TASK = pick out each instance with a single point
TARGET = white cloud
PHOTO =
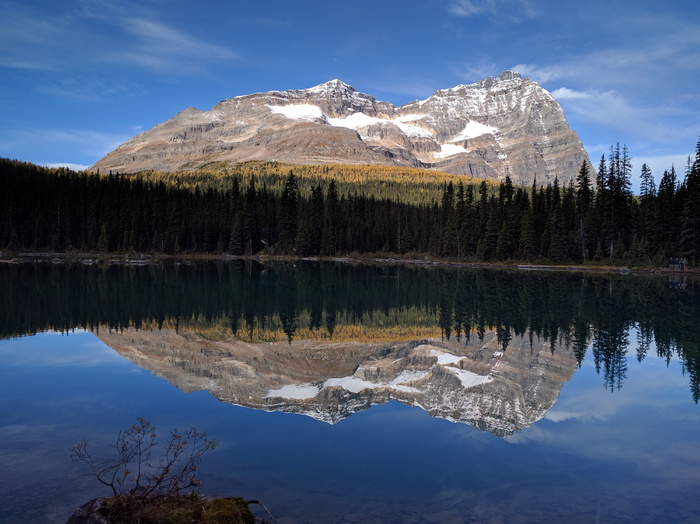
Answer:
(86, 89)
(160, 47)
(474, 73)
(81, 40)
(26, 38)
(84, 350)
(74, 167)
(564, 93)
(613, 111)
(542, 74)
(514, 11)
(87, 142)
(90, 142)
(470, 7)
(661, 163)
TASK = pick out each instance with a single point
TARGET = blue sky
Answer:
(78, 77)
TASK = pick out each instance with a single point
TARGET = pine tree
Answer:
(648, 231)
(557, 243)
(251, 233)
(236, 245)
(647, 187)
(331, 222)
(288, 214)
(528, 242)
(449, 229)
(488, 244)
(690, 231)
(667, 213)
(103, 240)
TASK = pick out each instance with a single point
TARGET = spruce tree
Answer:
(287, 221)
(690, 227)
(251, 234)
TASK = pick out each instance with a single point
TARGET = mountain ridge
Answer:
(496, 127)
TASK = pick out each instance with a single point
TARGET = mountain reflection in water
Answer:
(474, 382)
(386, 325)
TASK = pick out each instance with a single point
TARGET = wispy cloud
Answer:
(86, 39)
(25, 38)
(86, 89)
(614, 111)
(91, 143)
(471, 7)
(162, 48)
(474, 72)
(661, 163)
(542, 74)
(564, 93)
(641, 89)
(515, 11)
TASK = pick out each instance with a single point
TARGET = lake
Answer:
(345, 394)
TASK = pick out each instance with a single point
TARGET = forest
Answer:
(594, 219)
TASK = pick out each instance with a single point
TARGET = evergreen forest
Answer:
(593, 219)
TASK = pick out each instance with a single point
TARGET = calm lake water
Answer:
(343, 394)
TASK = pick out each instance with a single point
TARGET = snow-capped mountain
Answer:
(500, 126)
(476, 383)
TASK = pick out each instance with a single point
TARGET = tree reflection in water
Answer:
(335, 301)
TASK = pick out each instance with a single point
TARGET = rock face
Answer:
(476, 383)
(500, 126)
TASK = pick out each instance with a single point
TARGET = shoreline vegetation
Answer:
(353, 258)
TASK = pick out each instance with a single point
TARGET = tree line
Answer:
(407, 184)
(594, 218)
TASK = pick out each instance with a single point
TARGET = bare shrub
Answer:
(136, 469)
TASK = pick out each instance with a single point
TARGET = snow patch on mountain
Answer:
(411, 118)
(445, 359)
(356, 121)
(352, 384)
(306, 112)
(467, 378)
(448, 150)
(355, 385)
(474, 129)
(413, 131)
(294, 391)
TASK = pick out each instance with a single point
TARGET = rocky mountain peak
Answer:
(505, 76)
(496, 127)
(332, 86)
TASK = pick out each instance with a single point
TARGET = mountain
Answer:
(474, 382)
(500, 126)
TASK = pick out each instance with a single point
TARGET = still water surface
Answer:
(361, 394)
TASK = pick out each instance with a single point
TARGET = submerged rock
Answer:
(89, 513)
(179, 509)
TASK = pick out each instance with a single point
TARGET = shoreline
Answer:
(139, 259)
